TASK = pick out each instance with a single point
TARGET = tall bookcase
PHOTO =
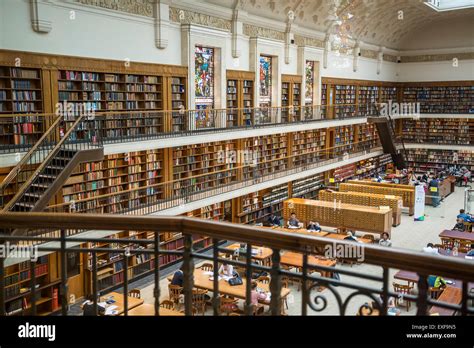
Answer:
(447, 131)
(271, 152)
(291, 98)
(203, 166)
(21, 92)
(240, 97)
(256, 207)
(308, 187)
(441, 97)
(18, 291)
(430, 160)
(306, 147)
(116, 173)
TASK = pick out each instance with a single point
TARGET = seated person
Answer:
(255, 296)
(293, 222)
(385, 241)
(436, 282)
(178, 277)
(430, 249)
(273, 220)
(471, 252)
(351, 237)
(226, 270)
(462, 215)
(88, 307)
(313, 227)
(459, 225)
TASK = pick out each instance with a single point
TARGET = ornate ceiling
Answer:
(378, 22)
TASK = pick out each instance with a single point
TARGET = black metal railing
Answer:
(373, 287)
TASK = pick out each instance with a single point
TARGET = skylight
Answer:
(449, 5)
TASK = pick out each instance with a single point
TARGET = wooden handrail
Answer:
(32, 177)
(25, 158)
(322, 151)
(408, 260)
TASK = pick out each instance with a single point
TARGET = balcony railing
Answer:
(152, 198)
(359, 288)
(20, 132)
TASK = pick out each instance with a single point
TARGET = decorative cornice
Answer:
(254, 31)
(308, 41)
(390, 58)
(187, 17)
(368, 53)
(137, 7)
(437, 57)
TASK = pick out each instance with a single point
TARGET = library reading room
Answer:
(236, 158)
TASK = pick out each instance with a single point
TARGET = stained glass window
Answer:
(309, 76)
(204, 77)
(265, 81)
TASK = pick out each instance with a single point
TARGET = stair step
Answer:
(24, 204)
(33, 194)
(54, 167)
(40, 185)
(49, 176)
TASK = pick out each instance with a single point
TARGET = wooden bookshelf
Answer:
(308, 187)
(441, 97)
(240, 95)
(202, 166)
(345, 98)
(367, 133)
(367, 98)
(448, 131)
(343, 139)
(18, 288)
(256, 207)
(177, 98)
(388, 93)
(305, 146)
(111, 265)
(271, 152)
(434, 161)
(21, 92)
(291, 97)
(116, 173)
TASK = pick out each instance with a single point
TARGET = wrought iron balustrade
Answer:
(312, 275)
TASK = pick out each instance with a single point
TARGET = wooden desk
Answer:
(118, 298)
(451, 295)
(202, 281)
(412, 277)
(264, 255)
(339, 236)
(449, 234)
(296, 260)
(299, 230)
(149, 309)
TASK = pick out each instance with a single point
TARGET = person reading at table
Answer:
(459, 225)
(273, 220)
(436, 282)
(313, 227)
(464, 216)
(471, 252)
(293, 222)
(430, 249)
(350, 236)
(226, 270)
(385, 241)
(178, 277)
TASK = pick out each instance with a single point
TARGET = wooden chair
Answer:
(447, 243)
(370, 237)
(435, 292)
(233, 314)
(207, 267)
(263, 279)
(199, 300)
(468, 226)
(135, 293)
(402, 290)
(167, 304)
(464, 246)
(258, 310)
(175, 294)
(227, 305)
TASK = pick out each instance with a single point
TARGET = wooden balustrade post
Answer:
(275, 284)
(188, 274)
